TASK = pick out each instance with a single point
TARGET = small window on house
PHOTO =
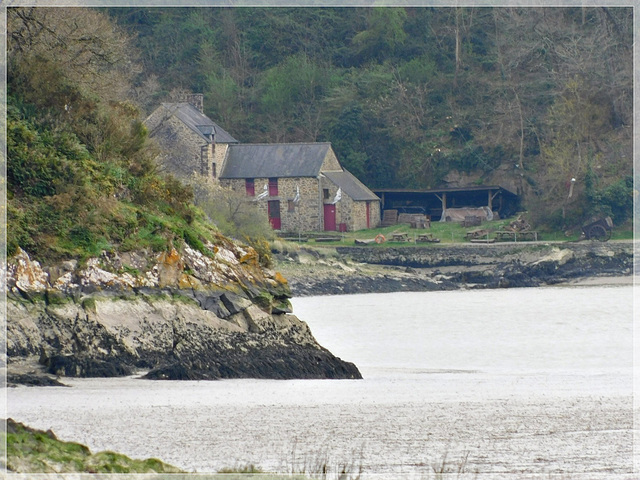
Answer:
(292, 206)
(214, 173)
(250, 187)
(273, 187)
(325, 193)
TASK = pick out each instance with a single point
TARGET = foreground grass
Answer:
(35, 451)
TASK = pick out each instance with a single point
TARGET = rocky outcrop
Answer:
(455, 266)
(176, 315)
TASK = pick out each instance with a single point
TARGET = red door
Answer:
(274, 214)
(329, 217)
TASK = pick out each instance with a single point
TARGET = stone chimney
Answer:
(195, 99)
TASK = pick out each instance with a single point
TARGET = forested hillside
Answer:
(528, 97)
(410, 98)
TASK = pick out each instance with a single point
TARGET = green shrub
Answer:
(230, 211)
(192, 239)
(263, 249)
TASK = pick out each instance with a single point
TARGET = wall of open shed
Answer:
(503, 202)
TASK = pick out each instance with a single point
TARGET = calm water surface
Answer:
(490, 383)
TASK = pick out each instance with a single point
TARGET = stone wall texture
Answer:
(217, 161)
(307, 215)
(331, 162)
(302, 216)
(181, 146)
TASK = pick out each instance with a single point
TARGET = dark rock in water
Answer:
(72, 366)
(267, 361)
(179, 371)
(33, 380)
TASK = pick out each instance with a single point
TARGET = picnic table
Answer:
(400, 237)
(426, 238)
(477, 233)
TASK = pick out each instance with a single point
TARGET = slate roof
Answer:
(351, 186)
(279, 160)
(193, 118)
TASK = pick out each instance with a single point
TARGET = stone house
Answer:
(300, 186)
(190, 140)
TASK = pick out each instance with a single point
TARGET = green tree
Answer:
(294, 90)
(383, 36)
(231, 211)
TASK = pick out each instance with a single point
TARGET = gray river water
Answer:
(521, 383)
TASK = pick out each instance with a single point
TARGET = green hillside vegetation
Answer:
(530, 97)
(81, 171)
(405, 96)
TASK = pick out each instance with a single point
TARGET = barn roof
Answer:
(275, 160)
(198, 122)
(351, 186)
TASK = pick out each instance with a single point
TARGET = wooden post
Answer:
(443, 199)
(491, 197)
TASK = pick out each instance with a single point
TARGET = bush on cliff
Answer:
(81, 174)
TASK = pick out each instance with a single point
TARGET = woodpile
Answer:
(471, 221)
(518, 225)
(389, 217)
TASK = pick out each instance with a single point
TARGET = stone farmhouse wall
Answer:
(354, 213)
(217, 159)
(331, 162)
(358, 212)
(308, 213)
(303, 216)
(351, 213)
(182, 147)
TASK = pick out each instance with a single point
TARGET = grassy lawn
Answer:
(446, 232)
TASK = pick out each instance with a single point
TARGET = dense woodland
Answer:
(526, 97)
(406, 95)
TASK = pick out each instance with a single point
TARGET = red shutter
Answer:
(250, 186)
(273, 207)
(273, 187)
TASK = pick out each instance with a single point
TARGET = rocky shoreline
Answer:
(182, 315)
(350, 270)
(177, 315)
